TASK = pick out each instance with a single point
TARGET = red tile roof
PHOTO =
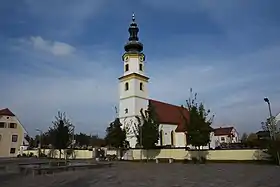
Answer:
(6, 112)
(222, 131)
(170, 114)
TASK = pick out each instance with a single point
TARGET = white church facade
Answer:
(134, 96)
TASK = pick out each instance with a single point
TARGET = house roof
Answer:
(6, 112)
(170, 114)
(223, 131)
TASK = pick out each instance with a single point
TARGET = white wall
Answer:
(167, 129)
(180, 139)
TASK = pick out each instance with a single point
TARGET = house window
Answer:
(126, 67)
(14, 138)
(141, 67)
(126, 86)
(2, 125)
(126, 111)
(222, 139)
(13, 125)
(13, 150)
(141, 86)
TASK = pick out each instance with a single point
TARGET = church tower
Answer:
(133, 85)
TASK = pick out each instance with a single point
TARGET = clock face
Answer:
(126, 58)
(141, 58)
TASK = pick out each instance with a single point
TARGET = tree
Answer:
(60, 132)
(83, 139)
(198, 126)
(30, 140)
(244, 137)
(252, 140)
(266, 126)
(116, 135)
(273, 143)
(146, 128)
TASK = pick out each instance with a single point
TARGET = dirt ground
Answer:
(156, 175)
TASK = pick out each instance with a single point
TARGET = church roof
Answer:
(6, 112)
(170, 114)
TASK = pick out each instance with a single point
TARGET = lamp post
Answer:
(272, 128)
(40, 145)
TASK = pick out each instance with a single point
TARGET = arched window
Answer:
(126, 86)
(126, 111)
(141, 86)
(141, 67)
(126, 67)
(172, 137)
(161, 137)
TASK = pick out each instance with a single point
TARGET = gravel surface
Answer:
(157, 175)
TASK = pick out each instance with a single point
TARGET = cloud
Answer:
(56, 48)
(80, 86)
(233, 88)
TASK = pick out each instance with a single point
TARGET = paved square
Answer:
(159, 175)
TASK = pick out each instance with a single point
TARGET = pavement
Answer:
(158, 175)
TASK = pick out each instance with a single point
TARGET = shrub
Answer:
(203, 160)
(195, 160)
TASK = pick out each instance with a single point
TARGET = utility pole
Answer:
(272, 128)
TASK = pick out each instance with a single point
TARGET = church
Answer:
(134, 96)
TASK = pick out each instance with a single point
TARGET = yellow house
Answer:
(11, 134)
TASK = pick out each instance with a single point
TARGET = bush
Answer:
(31, 154)
(195, 160)
(273, 147)
(203, 160)
(42, 155)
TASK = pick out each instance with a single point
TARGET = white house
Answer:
(225, 135)
(134, 96)
(12, 134)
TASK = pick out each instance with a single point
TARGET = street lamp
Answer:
(272, 128)
(40, 145)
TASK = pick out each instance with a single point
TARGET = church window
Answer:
(126, 67)
(161, 137)
(126, 111)
(141, 86)
(172, 137)
(141, 67)
(126, 86)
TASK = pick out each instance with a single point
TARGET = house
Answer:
(263, 135)
(11, 134)
(225, 135)
(134, 97)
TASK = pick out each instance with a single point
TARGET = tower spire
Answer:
(133, 45)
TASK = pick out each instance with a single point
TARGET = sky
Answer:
(65, 55)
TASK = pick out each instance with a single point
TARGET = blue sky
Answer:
(66, 55)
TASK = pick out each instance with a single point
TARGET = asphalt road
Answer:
(158, 175)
